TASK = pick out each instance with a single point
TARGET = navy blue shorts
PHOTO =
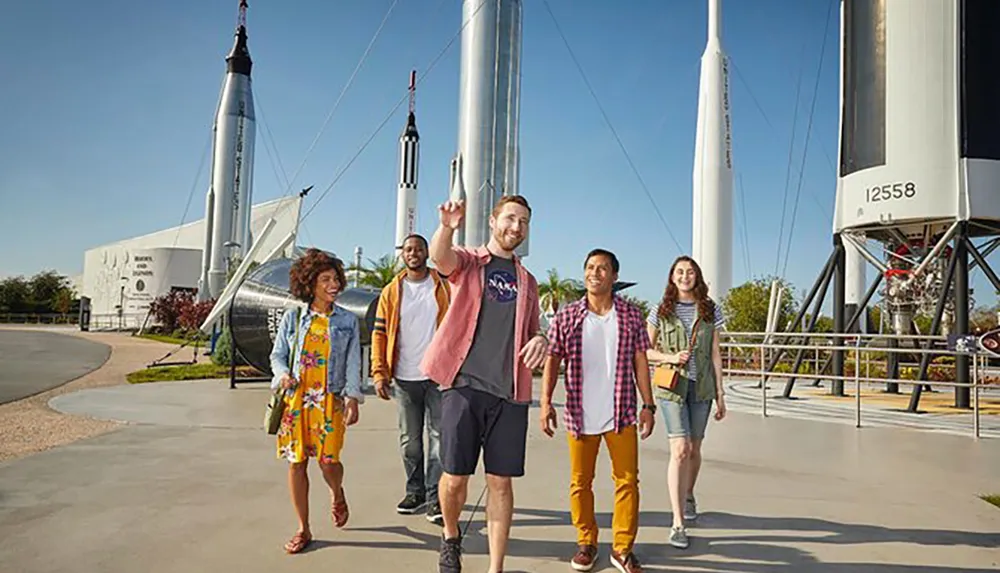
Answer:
(474, 422)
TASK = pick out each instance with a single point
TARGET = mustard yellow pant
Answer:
(623, 448)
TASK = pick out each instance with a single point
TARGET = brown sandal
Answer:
(297, 543)
(339, 510)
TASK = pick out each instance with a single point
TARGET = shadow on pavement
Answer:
(760, 552)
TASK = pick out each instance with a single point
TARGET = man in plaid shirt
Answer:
(603, 340)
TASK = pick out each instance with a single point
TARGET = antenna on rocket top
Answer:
(413, 90)
(241, 20)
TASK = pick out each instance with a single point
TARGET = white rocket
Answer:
(409, 157)
(486, 166)
(227, 206)
(712, 229)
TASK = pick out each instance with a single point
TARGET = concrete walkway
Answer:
(191, 483)
(29, 425)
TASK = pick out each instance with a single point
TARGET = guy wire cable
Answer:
(611, 126)
(389, 115)
(805, 148)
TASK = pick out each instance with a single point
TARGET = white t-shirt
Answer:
(417, 322)
(600, 360)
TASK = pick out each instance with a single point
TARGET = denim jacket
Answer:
(344, 363)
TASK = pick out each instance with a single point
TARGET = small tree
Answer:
(167, 309)
(15, 293)
(194, 314)
(745, 307)
(46, 287)
(63, 301)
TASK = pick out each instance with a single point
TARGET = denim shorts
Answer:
(687, 419)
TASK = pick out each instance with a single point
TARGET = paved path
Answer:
(29, 425)
(191, 484)
(37, 360)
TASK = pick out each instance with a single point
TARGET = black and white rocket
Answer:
(227, 206)
(409, 156)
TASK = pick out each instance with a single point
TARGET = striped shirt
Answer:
(687, 312)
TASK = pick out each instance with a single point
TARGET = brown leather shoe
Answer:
(627, 563)
(585, 558)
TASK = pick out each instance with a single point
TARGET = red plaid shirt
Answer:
(566, 342)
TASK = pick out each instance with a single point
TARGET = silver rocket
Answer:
(712, 228)
(409, 157)
(486, 166)
(227, 207)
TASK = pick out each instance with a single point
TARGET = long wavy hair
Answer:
(706, 306)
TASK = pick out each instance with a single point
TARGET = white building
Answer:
(133, 272)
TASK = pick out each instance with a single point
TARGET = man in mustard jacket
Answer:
(409, 310)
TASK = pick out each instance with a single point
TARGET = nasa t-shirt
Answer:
(489, 367)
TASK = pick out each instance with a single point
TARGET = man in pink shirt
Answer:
(482, 356)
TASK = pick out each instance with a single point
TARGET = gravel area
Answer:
(28, 426)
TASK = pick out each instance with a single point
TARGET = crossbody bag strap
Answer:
(694, 334)
(295, 341)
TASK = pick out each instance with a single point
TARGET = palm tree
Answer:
(379, 273)
(642, 305)
(556, 291)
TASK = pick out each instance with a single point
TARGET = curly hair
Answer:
(302, 276)
(706, 306)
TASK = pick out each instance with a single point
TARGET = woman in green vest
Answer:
(688, 376)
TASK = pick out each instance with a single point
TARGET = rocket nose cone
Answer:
(238, 61)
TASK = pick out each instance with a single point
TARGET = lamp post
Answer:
(121, 304)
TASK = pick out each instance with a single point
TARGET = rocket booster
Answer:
(712, 241)
(227, 221)
(487, 166)
(409, 156)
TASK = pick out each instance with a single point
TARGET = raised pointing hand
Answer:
(452, 213)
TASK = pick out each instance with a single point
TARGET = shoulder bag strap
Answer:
(295, 341)
(694, 334)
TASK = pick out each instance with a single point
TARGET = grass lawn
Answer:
(188, 372)
(170, 339)
(993, 498)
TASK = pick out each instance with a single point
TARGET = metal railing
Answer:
(746, 354)
(38, 318)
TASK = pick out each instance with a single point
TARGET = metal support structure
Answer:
(839, 288)
(817, 305)
(980, 260)
(990, 246)
(892, 368)
(962, 313)
(823, 279)
(935, 328)
(856, 317)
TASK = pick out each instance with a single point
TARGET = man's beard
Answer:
(507, 243)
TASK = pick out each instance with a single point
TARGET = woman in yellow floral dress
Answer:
(317, 360)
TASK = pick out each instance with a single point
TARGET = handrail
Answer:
(858, 348)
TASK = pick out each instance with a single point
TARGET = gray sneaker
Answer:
(678, 537)
(690, 509)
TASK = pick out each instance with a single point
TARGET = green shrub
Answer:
(224, 349)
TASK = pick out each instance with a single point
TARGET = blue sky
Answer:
(107, 109)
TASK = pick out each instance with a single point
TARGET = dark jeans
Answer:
(419, 408)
